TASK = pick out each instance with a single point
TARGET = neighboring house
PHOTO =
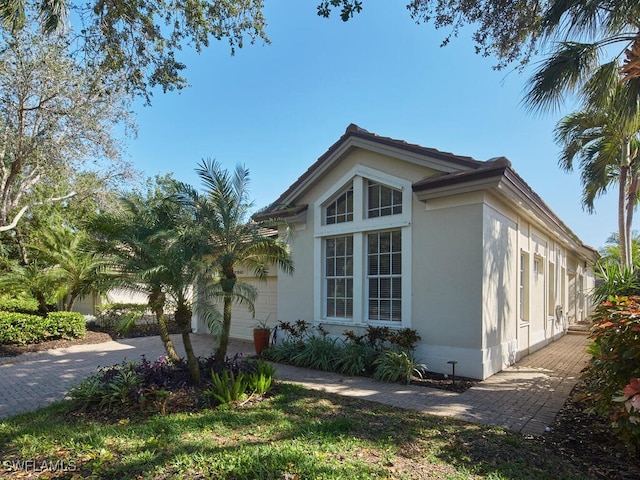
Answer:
(393, 234)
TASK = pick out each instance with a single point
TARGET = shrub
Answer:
(616, 362)
(321, 353)
(357, 359)
(20, 305)
(615, 281)
(24, 329)
(396, 366)
(161, 386)
(67, 324)
(121, 317)
(227, 387)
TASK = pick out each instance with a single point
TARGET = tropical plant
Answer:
(605, 138)
(616, 362)
(610, 252)
(134, 237)
(320, 353)
(227, 239)
(80, 271)
(228, 387)
(40, 281)
(615, 280)
(396, 366)
(357, 359)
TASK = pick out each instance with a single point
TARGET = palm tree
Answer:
(133, 239)
(81, 272)
(605, 137)
(610, 253)
(592, 30)
(38, 280)
(52, 13)
(229, 239)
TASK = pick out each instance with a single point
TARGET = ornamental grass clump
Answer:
(613, 376)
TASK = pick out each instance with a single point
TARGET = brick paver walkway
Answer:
(524, 398)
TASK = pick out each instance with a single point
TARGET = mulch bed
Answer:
(90, 337)
(94, 335)
(442, 382)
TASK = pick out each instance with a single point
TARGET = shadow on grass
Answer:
(297, 433)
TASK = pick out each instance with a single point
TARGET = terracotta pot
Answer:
(261, 339)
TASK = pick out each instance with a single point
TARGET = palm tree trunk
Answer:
(221, 353)
(43, 309)
(622, 229)
(632, 198)
(156, 302)
(71, 302)
(183, 318)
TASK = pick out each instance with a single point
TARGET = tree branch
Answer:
(24, 209)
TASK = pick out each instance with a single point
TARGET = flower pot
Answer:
(261, 339)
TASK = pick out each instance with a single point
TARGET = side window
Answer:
(524, 287)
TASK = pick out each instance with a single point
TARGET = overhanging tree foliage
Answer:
(56, 116)
(140, 41)
(514, 30)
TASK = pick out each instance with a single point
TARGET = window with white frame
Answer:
(363, 233)
(551, 294)
(339, 277)
(524, 287)
(340, 210)
(382, 200)
(384, 276)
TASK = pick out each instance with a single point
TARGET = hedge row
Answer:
(22, 305)
(23, 329)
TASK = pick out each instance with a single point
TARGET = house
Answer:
(463, 251)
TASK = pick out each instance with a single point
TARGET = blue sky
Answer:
(276, 108)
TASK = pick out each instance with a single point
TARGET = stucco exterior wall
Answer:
(499, 297)
(490, 281)
(447, 284)
(295, 292)
(296, 299)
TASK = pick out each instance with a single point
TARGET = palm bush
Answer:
(615, 280)
(396, 366)
(320, 353)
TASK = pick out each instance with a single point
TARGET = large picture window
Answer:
(362, 237)
(339, 277)
(384, 276)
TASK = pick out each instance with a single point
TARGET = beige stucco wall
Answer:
(242, 320)
(447, 283)
(465, 259)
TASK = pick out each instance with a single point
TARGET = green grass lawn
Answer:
(294, 434)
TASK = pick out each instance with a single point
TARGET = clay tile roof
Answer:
(495, 166)
(281, 206)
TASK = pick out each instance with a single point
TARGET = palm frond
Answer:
(564, 71)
